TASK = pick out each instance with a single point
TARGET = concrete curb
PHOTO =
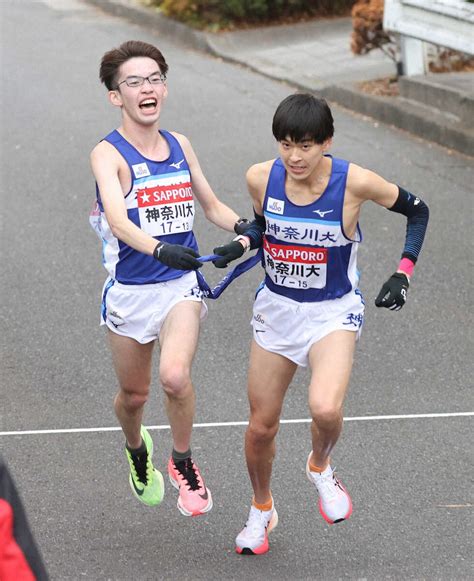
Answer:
(402, 113)
(154, 20)
(395, 111)
(449, 98)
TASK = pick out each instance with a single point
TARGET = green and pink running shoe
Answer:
(194, 498)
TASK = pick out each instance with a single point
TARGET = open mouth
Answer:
(297, 168)
(148, 104)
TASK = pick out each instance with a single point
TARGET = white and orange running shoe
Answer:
(194, 498)
(253, 538)
(335, 504)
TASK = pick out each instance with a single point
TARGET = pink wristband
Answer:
(406, 265)
(245, 240)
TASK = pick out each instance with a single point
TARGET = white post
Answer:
(413, 56)
(447, 23)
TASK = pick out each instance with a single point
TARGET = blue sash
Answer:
(220, 287)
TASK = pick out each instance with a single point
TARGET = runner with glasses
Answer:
(148, 182)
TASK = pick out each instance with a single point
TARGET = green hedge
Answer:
(229, 13)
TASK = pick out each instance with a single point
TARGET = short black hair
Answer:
(303, 116)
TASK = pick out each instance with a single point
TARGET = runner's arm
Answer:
(257, 179)
(250, 234)
(369, 186)
(105, 164)
(215, 211)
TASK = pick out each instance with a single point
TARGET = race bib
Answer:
(296, 267)
(166, 209)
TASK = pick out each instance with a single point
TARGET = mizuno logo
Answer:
(177, 164)
(204, 496)
(114, 315)
(322, 213)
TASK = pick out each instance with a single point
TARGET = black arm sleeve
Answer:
(417, 214)
(254, 230)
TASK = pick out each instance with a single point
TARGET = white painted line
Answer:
(229, 424)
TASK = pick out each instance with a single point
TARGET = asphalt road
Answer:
(410, 478)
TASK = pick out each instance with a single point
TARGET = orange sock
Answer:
(314, 468)
(266, 506)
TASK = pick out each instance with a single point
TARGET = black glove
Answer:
(177, 256)
(393, 294)
(229, 252)
(241, 226)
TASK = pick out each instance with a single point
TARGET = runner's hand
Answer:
(393, 294)
(177, 256)
(229, 252)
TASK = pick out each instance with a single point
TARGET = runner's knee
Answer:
(325, 414)
(132, 400)
(260, 432)
(176, 380)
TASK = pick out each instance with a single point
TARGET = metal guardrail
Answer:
(446, 23)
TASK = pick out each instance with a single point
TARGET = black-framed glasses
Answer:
(136, 81)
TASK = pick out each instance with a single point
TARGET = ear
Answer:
(327, 144)
(115, 98)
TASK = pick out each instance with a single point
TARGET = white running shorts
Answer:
(139, 311)
(290, 328)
